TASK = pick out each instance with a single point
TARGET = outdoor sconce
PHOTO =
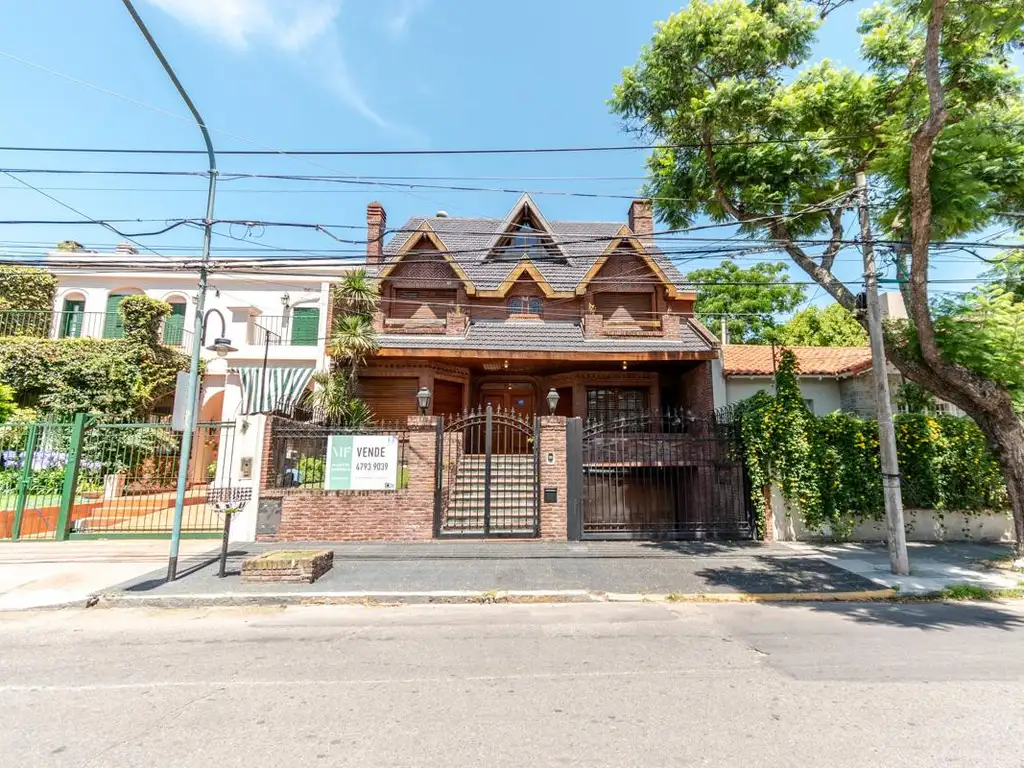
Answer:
(423, 399)
(221, 345)
(285, 299)
(552, 400)
(625, 365)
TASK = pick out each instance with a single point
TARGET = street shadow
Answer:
(923, 614)
(157, 579)
(779, 574)
(700, 548)
(795, 575)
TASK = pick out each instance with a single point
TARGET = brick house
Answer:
(487, 311)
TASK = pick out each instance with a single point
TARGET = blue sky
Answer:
(272, 74)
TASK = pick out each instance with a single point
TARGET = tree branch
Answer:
(921, 147)
(835, 221)
(733, 209)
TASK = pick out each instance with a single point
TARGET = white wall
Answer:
(823, 391)
(921, 525)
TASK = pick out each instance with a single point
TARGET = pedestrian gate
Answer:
(487, 475)
(657, 476)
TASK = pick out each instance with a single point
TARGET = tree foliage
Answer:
(353, 340)
(27, 289)
(331, 401)
(748, 296)
(751, 131)
(817, 327)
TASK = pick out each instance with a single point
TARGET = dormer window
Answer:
(525, 305)
(525, 238)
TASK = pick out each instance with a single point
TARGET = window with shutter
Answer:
(392, 399)
(305, 325)
(71, 318)
(624, 307)
(174, 325)
(113, 323)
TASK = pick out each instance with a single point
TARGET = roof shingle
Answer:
(756, 360)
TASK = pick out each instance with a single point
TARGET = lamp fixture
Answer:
(552, 400)
(423, 400)
(285, 299)
(221, 344)
(625, 365)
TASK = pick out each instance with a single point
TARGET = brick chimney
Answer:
(641, 221)
(376, 224)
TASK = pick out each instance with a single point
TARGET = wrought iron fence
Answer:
(108, 478)
(667, 474)
(69, 324)
(298, 452)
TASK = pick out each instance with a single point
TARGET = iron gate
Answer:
(662, 475)
(488, 464)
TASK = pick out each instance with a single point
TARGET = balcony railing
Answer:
(41, 324)
(283, 330)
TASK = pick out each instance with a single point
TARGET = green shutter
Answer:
(174, 325)
(305, 324)
(113, 324)
(71, 318)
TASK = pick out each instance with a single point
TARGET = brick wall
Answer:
(406, 515)
(698, 390)
(552, 441)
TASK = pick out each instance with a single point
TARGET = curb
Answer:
(121, 600)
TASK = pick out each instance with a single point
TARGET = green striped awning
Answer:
(265, 390)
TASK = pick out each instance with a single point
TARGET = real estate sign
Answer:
(361, 463)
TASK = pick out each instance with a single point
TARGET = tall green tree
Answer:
(352, 341)
(754, 133)
(833, 326)
(746, 298)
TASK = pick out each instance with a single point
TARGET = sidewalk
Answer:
(36, 574)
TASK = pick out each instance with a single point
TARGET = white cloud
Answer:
(397, 24)
(304, 29)
(291, 25)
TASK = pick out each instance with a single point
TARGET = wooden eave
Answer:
(426, 231)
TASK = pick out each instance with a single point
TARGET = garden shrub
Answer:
(828, 468)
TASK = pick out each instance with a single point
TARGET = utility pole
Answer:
(191, 406)
(897, 536)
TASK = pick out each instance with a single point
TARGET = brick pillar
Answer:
(593, 326)
(455, 324)
(552, 475)
(698, 391)
(671, 327)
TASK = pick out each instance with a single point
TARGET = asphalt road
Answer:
(515, 685)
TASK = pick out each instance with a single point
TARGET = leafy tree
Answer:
(749, 297)
(935, 123)
(331, 400)
(817, 327)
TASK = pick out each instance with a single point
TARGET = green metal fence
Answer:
(101, 478)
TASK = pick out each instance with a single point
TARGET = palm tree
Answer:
(329, 396)
(332, 400)
(352, 342)
(357, 293)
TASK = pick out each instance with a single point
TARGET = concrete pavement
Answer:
(35, 574)
(842, 685)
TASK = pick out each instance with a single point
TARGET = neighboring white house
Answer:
(830, 378)
(277, 325)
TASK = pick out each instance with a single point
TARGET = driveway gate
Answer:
(488, 463)
(657, 476)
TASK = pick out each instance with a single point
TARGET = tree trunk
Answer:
(1005, 433)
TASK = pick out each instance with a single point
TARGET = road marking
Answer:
(97, 687)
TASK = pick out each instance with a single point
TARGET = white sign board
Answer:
(361, 463)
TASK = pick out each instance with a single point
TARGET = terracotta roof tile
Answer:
(756, 360)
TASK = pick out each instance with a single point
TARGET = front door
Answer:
(515, 400)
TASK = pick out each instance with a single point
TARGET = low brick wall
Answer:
(356, 516)
(317, 515)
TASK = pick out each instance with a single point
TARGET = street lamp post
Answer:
(193, 370)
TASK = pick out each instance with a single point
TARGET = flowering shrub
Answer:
(48, 471)
(828, 467)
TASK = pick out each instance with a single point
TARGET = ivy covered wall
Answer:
(122, 377)
(828, 468)
(27, 288)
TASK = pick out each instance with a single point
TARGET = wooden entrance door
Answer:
(508, 398)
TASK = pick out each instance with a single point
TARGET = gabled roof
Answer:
(626, 237)
(524, 205)
(425, 231)
(469, 241)
(756, 360)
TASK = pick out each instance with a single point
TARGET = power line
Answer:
(406, 152)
